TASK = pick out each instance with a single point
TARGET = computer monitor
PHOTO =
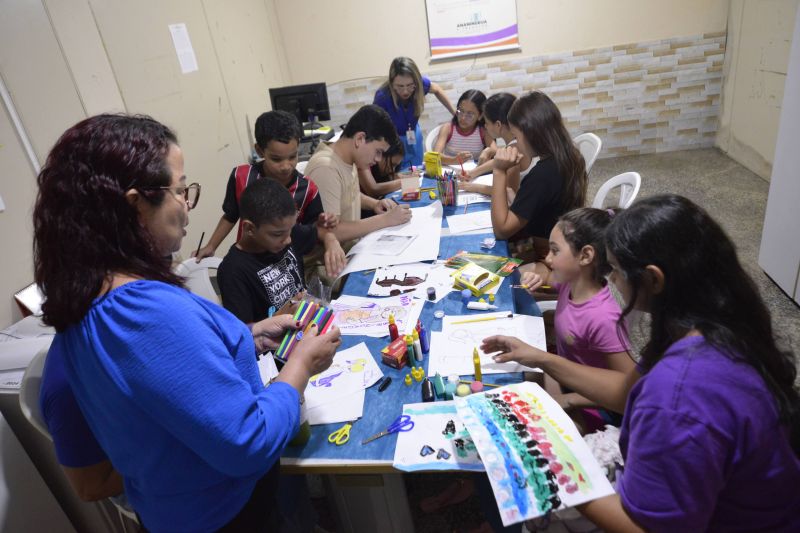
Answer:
(309, 103)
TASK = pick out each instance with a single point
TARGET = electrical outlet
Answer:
(2, 205)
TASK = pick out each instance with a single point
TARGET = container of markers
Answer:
(447, 185)
(307, 315)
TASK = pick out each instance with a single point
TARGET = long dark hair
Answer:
(476, 97)
(705, 288)
(586, 227)
(540, 121)
(496, 107)
(84, 229)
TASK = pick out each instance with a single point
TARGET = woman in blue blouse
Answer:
(403, 97)
(167, 381)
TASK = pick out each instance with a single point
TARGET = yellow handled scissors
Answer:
(341, 435)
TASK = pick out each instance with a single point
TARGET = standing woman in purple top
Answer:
(711, 431)
(403, 97)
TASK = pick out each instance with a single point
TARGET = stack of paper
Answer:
(337, 394)
(407, 243)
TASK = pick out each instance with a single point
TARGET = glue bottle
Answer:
(392, 328)
(417, 346)
(480, 306)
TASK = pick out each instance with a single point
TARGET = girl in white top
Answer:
(463, 138)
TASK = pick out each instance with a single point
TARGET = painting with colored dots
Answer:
(438, 441)
(536, 460)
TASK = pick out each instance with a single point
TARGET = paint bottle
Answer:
(424, 339)
(466, 295)
(476, 362)
(412, 359)
(418, 347)
(393, 334)
(438, 385)
(432, 294)
(427, 391)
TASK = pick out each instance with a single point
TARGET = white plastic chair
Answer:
(589, 145)
(29, 405)
(629, 183)
(29, 393)
(430, 139)
(198, 279)
(546, 305)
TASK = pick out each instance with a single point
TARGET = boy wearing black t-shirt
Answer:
(264, 269)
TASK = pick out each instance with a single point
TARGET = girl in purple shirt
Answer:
(711, 434)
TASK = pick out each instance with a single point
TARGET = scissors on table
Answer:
(402, 423)
(341, 435)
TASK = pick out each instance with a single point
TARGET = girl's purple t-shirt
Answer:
(587, 332)
(704, 449)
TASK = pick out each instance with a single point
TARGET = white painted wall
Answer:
(759, 40)
(346, 39)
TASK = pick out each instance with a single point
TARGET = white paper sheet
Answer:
(477, 220)
(469, 198)
(451, 349)
(352, 370)
(510, 425)
(438, 441)
(345, 409)
(425, 246)
(468, 165)
(413, 279)
(486, 179)
(370, 316)
(183, 47)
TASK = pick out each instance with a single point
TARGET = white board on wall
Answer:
(468, 27)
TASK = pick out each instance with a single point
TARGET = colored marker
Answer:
(476, 362)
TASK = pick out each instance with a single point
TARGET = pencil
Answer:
(466, 205)
(484, 383)
(483, 319)
(527, 287)
(200, 244)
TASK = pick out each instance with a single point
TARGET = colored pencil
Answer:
(483, 319)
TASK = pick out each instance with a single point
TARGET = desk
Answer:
(390, 507)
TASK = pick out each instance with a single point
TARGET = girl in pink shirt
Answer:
(586, 313)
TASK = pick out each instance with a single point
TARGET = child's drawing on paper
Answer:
(352, 370)
(365, 316)
(325, 379)
(439, 440)
(535, 459)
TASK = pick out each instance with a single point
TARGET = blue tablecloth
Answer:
(381, 408)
